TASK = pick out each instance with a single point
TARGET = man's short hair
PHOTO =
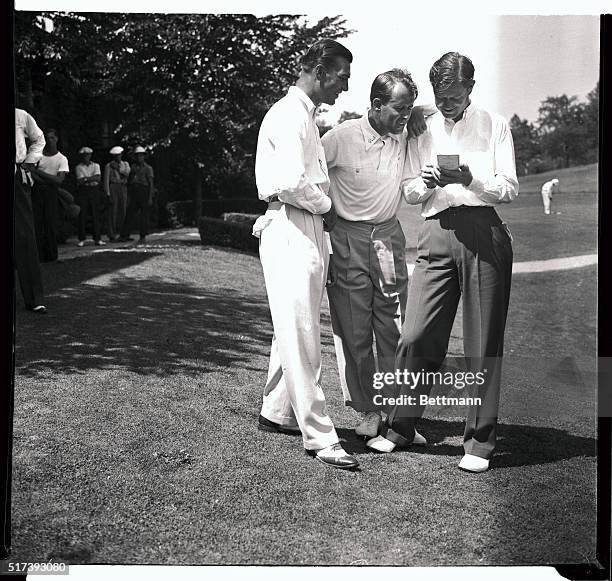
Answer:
(451, 68)
(383, 84)
(324, 52)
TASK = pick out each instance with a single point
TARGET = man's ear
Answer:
(471, 86)
(377, 103)
(320, 72)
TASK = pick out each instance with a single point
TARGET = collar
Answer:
(467, 113)
(303, 97)
(371, 136)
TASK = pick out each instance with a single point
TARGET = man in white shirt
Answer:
(26, 251)
(88, 177)
(291, 175)
(464, 251)
(365, 158)
(548, 189)
(48, 175)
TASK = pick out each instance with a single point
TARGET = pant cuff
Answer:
(393, 436)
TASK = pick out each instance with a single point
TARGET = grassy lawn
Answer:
(137, 397)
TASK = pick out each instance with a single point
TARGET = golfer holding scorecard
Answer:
(458, 170)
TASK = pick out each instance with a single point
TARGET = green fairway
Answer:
(137, 398)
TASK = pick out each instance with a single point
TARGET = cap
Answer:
(116, 150)
(139, 149)
(86, 150)
(555, 181)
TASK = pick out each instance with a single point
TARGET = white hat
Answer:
(139, 149)
(86, 150)
(555, 181)
(116, 150)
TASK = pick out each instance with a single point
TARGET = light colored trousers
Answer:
(367, 301)
(546, 198)
(294, 256)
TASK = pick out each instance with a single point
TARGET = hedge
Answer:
(215, 208)
(228, 233)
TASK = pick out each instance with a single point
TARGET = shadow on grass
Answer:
(100, 318)
(517, 445)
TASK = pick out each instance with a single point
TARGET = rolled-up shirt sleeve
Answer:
(502, 186)
(413, 187)
(37, 140)
(281, 165)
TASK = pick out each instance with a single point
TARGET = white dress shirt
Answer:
(290, 160)
(26, 128)
(483, 141)
(365, 170)
(87, 170)
(550, 187)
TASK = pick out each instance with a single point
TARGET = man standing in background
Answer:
(140, 196)
(88, 179)
(49, 175)
(291, 176)
(116, 174)
(26, 251)
(548, 189)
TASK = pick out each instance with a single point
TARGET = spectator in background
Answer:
(88, 177)
(48, 175)
(116, 174)
(26, 252)
(548, 189)
(140, 196)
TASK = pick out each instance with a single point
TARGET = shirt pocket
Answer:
(361, 177)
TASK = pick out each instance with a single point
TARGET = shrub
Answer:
(215, 208)
(240, 218)
(227, 233)
(180, 213)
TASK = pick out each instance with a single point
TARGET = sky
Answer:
(519, 60)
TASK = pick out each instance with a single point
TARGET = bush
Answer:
(215, 208)
(227, 233)
(240, 218)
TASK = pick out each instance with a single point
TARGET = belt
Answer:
(456, 210)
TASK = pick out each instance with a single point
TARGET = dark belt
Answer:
(456, 210)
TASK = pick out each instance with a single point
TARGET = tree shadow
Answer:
(145, 324)
(517, 445)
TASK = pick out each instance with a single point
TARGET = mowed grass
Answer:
(136, 405)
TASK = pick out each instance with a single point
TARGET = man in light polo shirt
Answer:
(365, 158)
(88, 177)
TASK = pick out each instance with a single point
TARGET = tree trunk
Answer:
(197, 197)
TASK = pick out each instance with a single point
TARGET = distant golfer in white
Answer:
(291, 175)
(548, 189)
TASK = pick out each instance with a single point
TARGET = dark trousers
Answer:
(138, 202)
(46, 220)
(462, 253)
(367, 300)
(26, 251)
(88, 199)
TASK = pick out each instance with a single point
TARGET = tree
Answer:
(563, 131)
(348, 115)
(193, 87)
(526, 147)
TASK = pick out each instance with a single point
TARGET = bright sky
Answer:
(519, 60)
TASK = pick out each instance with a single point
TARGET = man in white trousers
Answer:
(291, 175)
(548, 189)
